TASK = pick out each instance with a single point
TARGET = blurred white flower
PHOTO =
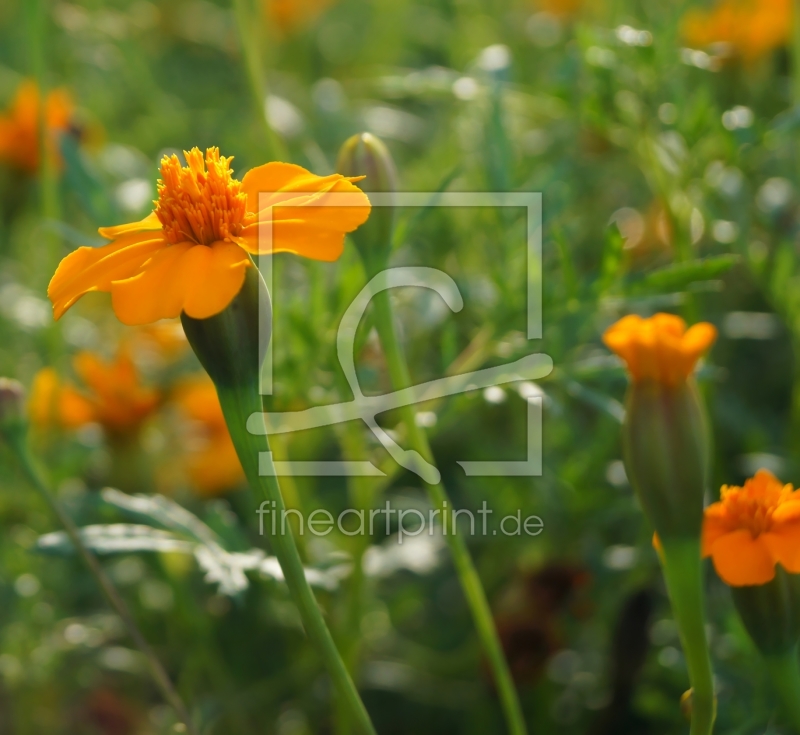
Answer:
(284, 116)
(775, 193)
(633, 37)
(133, 195)
(724, 231)
(495, 58)
(738, 117)
(466, 88)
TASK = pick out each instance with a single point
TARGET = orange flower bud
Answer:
(659, 348)
(665, 439)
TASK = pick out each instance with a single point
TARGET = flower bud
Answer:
(771, 612)
(666, 450)
(665, 435)
(366, 155)
(686, 705)
(232, 344)
(12, 404)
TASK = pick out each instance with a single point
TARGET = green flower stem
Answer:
(247, 24)
(684, 577)
(17, 440)
(465, 568)
(796, 53)
(239, 402)
(785, 674)
(37, 14)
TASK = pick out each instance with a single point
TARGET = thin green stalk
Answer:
(785, 674)
(796, 52)
(36, 19)
(684, 577)
(247, 24)
(238, 404)
(465, 568)
(18, 442)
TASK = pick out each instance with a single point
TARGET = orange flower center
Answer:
(201, 202)
(751, 507)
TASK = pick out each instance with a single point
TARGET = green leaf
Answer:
(678, 276)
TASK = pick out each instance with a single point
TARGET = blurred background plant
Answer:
(664, 139)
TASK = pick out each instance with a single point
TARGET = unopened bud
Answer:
(665, 437)
(366, 155)
(666, 447)
(686, 705)
(12, 404)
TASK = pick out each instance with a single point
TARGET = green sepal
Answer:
(666, 449)
(232, 344)
(771, 612)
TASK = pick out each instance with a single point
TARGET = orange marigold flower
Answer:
(753, 528)
(211, 460)
(659, 348)
(190, 254)
(114, 396)
(163, 341)
(19, 127)
(750, 28)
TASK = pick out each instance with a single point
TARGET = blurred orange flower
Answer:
(211, 460)
(659, 348)
(114, 396)
(190, 254)
(289, 15)
(560, 8)
(753, 528)
(164, 340)
(19, 127)
(749, 28)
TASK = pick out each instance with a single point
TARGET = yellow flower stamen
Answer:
(752, 507)
(202, 202)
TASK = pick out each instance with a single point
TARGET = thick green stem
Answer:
(785, 674)
(684, 577)
(239, 402)
(465, 568)
(18, 442)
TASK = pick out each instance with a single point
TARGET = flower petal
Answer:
(787, 511)
(715, 525)
(274, 177)
(783, 542)
(198, 279)
(741, 560)
(74, 409)
(43, 396)
(94, 269)
(303, 213)
(151, 222)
